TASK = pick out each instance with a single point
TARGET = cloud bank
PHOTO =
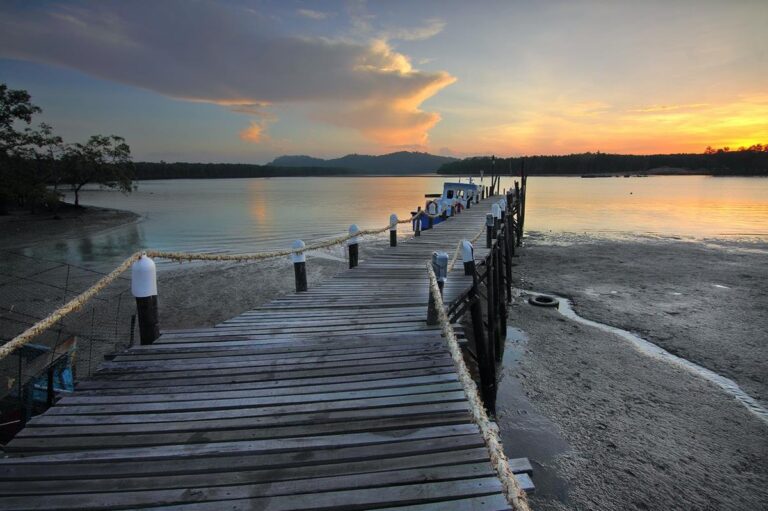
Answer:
(227, 55)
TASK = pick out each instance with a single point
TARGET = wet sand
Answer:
(22, 229)
(610, 428)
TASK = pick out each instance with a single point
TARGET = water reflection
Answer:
(236, 215)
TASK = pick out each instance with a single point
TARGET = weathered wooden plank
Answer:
(368, 488)
(251, 446)
(261, 421)
(190, 388)
(126, 440)
(242, 475)
(248, 376)
(82, 398)
(278, 462)
(258, 411)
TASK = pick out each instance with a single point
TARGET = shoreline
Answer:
(22, 229)
(608, 427)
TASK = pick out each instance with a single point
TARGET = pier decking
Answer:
(340, 397)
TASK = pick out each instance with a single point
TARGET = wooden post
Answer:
(501, 306)
(299, 266)
(417, 223)
(523, 194)
(486, 364)
(50, 394)
(393, 230)
(488, 229)
(468, 257)
(144, 289)
(496, 212)
(518, 213)
(490, 288)
(509, 251)
(352, 245)
(440, 267)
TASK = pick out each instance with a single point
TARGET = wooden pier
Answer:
(340, 397)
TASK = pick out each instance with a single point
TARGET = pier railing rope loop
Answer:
(457, 252)
(80, 300)
(514, 494)
(71, 306)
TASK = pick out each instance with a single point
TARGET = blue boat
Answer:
(454, 196)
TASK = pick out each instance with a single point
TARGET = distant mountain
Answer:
(403, 162)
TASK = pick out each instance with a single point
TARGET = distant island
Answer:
(745, 161)
(402, 163)
(751, 161)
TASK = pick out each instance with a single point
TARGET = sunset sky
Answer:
(245, 81)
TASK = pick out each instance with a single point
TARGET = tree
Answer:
(14, 106)
(15, 145)
(105, 160)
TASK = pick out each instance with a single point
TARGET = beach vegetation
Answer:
(35, 162)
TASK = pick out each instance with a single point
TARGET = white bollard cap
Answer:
(300, 257)
(393, 222)
(353, 229)
(467, 252)
(440, 265)
(496, 211)
(144, 278)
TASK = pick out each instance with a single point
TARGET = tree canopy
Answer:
(34, 161)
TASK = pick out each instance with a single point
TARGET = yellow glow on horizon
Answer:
(563, 127)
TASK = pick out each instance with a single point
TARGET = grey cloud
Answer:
(208, 52)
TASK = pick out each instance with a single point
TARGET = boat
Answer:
(455, 195)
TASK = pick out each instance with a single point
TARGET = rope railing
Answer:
(458, 248)
(512, 491)
(80, 300)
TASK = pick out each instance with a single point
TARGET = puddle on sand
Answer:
(525, 433)
(729, 386)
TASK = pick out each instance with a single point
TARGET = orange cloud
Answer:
(253, 133)
(391, 115)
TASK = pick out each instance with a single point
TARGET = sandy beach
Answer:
(614, 428)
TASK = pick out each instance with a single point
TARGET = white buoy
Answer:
(144, 277)
(298, 257)
(468, 257)
(144, 289)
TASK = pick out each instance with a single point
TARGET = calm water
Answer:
(241, 215)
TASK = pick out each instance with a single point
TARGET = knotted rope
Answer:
(514, 494)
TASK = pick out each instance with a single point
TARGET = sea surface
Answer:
(246, 215)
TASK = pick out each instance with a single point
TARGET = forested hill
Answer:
(403, 162)
(182, 170)
(744, 162)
